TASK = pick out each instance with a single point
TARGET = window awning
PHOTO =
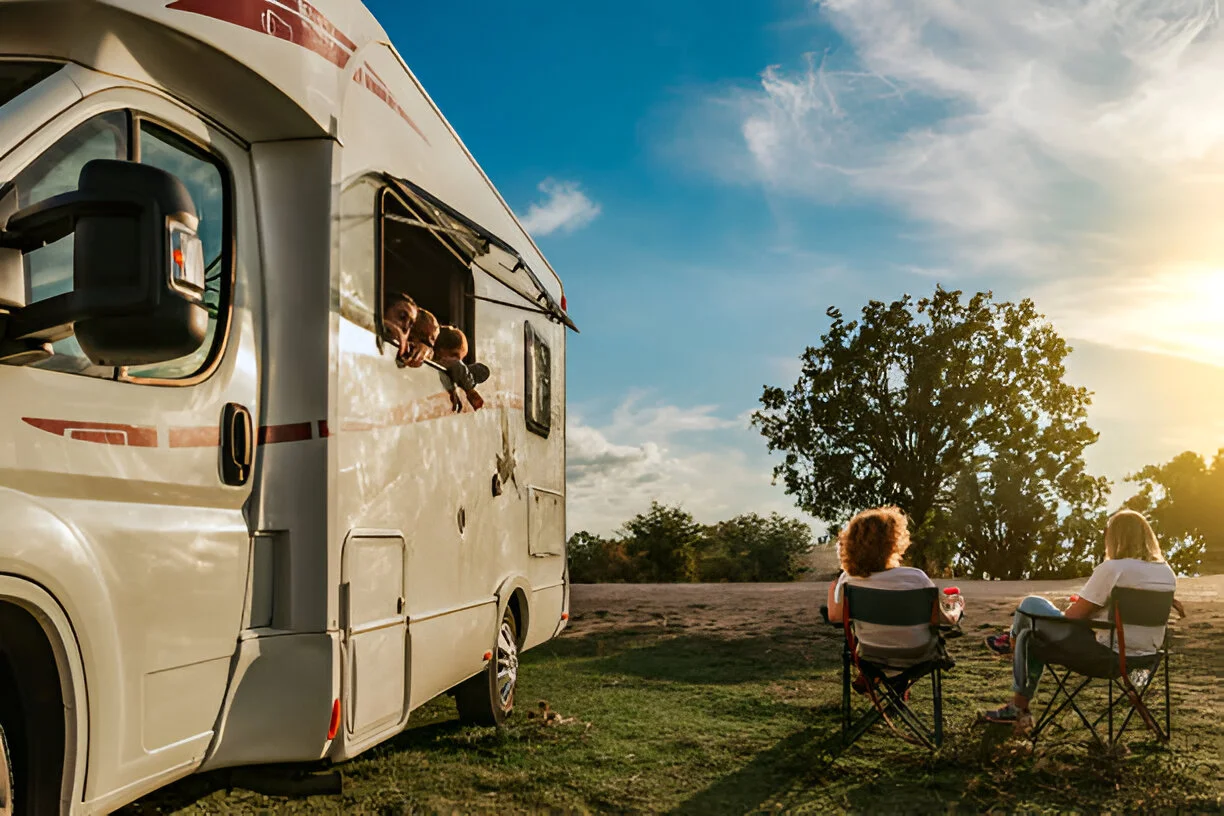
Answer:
(477, 241)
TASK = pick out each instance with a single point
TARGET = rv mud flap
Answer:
(279, 703)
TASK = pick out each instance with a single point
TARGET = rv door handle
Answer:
(237, 444)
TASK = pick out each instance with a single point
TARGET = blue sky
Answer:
(709, 177)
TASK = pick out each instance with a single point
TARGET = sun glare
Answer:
(1213, 293)
(1193, 317)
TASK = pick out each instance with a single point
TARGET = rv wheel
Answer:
(488, 698)
(6, 778)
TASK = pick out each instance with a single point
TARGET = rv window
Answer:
(418, 262)
(18, 77)
(206, 181)
(537, 405)
(48, 271)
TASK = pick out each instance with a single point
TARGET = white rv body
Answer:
(381, 536)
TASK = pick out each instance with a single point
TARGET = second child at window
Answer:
(450, 348)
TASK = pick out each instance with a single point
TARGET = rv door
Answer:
(148, 464)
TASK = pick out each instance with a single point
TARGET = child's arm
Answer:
(1181, 610)
(413, 354)
(475, 399)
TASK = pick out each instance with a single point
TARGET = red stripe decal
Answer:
(375, 85)
(435, 406)
(294, 432)
(302, 24)
(295, 21)
(103, 433)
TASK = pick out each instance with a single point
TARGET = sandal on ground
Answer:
(1000, 644)
(1009, 715)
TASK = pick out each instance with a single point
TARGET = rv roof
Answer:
(312, 53)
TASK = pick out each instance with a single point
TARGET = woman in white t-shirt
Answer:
(1132, 560)
(870, 549)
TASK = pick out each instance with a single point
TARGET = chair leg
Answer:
(1110, 714)
(1167, 701)
(1138, 704)
(1052, 711)
(845, 695)
(937, 685)
(870, 717)
(911, 721)
(1049, 716)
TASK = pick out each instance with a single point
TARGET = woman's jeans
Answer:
(1027, 669)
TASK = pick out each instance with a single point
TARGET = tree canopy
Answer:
(1184, 501)
(954, 409)
(666, 545)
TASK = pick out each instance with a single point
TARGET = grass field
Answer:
(724, 699)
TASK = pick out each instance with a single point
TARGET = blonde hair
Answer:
(1128, 535)
(873, 541)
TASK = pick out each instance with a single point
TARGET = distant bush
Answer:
(666, 545)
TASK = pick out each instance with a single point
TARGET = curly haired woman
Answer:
(870, 548)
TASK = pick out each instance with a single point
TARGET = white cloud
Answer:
(665, 453)
(1038, 141)
(565, 209)
(660, 422)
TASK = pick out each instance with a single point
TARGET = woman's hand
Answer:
(1181, 610)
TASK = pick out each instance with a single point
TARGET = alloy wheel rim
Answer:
(507, 665)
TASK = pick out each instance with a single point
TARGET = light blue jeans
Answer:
(1026, 669)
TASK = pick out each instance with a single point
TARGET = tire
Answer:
(488, 698)
(7, 808)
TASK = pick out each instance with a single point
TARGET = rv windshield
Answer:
(17, 77)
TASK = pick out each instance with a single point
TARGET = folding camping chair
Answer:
(887, 692)
(1073, 672)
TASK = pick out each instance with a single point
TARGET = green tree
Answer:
(1184, 500)
(1014, 518)
(664, 543)
(753, 548)
(892, 408)
(596, 560)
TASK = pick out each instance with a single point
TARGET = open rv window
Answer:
(18, 77)
(426, 264)
(537, 382)
(476, 243)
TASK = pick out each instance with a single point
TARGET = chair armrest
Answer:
(1091, 624)
(824, 616)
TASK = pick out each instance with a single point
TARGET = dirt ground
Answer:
(734, 610)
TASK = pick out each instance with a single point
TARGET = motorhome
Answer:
(234, 527)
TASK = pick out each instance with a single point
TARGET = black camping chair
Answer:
(887, 692)
(1074, 671)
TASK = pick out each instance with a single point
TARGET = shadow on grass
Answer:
(771, 771)
(977, 769)
(286, 781)
(699, 659)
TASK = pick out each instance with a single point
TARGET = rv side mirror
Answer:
(138, 266)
